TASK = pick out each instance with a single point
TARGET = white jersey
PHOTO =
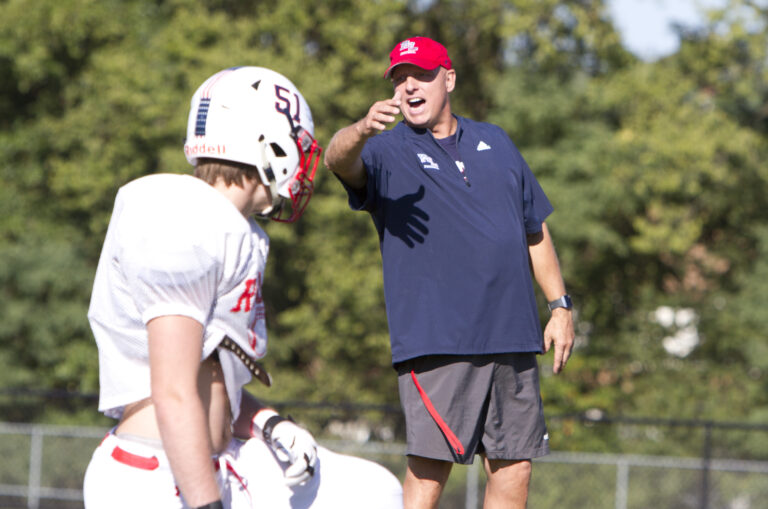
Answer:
(175, 246)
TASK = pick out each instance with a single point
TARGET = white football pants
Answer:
(126, 474)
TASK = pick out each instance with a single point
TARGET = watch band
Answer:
(563, 302)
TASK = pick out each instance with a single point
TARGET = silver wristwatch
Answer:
(563, 302)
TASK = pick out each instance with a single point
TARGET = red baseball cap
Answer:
(420, 51)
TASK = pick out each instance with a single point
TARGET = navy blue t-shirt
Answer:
(457, 278)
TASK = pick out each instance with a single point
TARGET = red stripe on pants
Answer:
(135, 460)
(452, 438)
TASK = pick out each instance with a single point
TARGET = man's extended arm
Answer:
(175, 348)
(343, 153)
(546, 271)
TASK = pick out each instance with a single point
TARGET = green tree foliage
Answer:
(655, 171)
(662, 180)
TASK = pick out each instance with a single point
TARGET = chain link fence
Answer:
(709, 465)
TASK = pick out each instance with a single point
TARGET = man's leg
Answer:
(424, 482)
(507, 484)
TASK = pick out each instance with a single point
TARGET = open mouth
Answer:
(415, 102)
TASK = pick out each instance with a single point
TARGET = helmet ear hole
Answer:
(278, 150)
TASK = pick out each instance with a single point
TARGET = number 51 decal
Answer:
(284, 100)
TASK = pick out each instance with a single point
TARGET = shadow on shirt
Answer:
(405, 220)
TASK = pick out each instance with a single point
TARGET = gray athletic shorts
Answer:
(459, 406)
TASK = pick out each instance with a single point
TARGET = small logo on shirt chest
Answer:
(427, 162)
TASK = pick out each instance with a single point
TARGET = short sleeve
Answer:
(169, 275)
(365, 199)
(536, 205)
(358, 199)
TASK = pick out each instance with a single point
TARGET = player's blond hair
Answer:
(233, 173)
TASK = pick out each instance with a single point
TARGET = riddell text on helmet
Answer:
(203, 149)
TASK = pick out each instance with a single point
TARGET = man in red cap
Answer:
(460, 218)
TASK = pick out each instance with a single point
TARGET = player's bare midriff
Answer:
(139, 418)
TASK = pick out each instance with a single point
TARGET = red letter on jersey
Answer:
(252, 289)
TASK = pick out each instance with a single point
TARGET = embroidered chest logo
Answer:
(407, 47)
(251, 294)
(427, 163)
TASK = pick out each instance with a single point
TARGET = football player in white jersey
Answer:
(178, 318)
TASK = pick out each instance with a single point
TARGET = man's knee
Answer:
(429, 469)
(507, 484)
(508, 472)
(424, 482)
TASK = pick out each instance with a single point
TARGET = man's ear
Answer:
(450, 80)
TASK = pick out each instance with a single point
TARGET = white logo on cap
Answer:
(408, 47)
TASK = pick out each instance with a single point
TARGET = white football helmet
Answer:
(256, 116)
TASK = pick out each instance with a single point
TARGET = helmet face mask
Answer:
(256, 116)
(300, 187)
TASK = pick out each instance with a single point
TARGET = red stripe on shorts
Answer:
(134, 460)
(452, 438)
